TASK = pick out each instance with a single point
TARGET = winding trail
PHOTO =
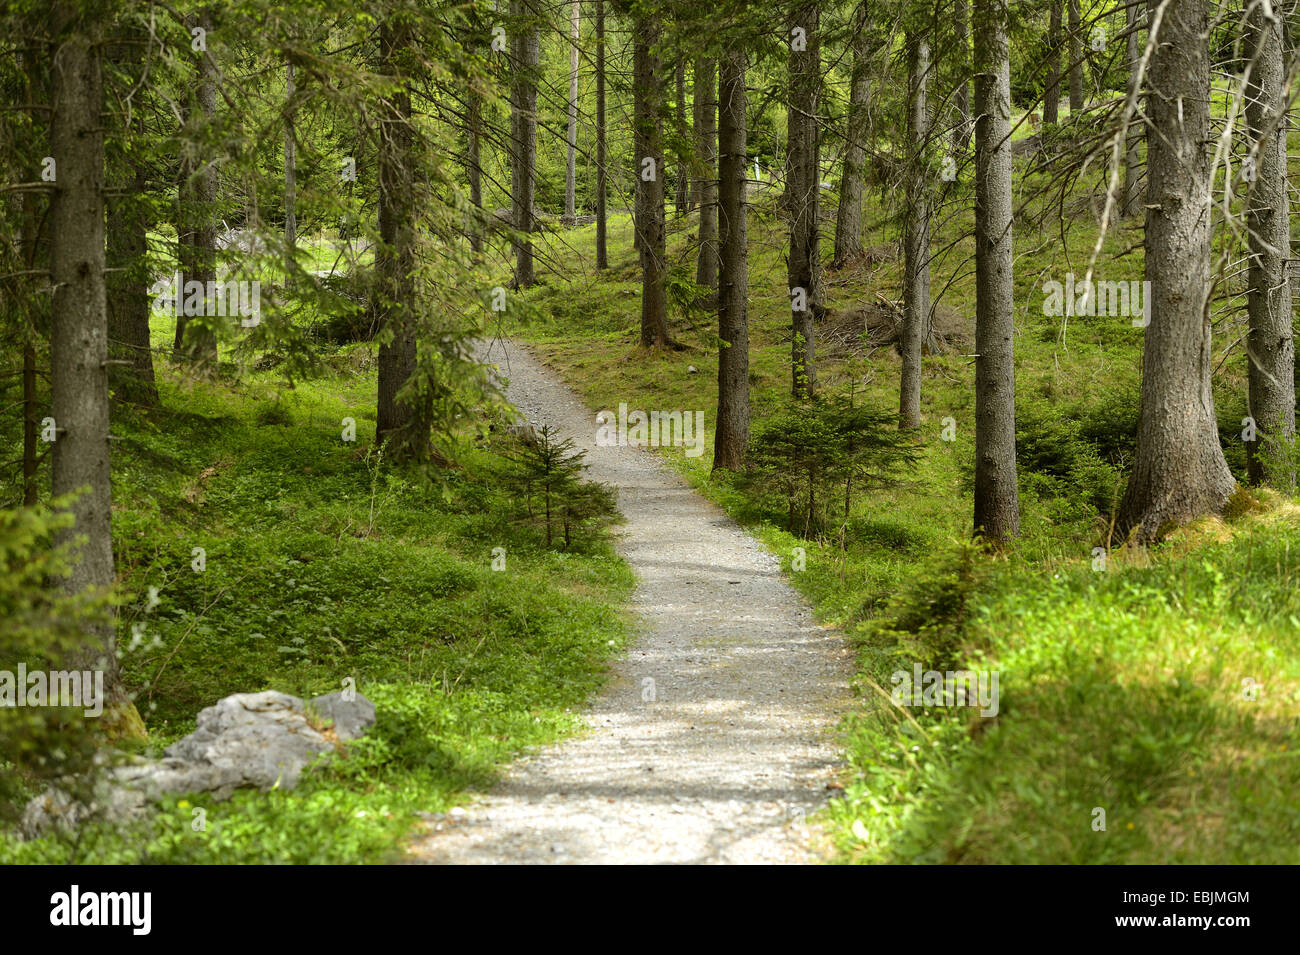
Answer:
(737, 745)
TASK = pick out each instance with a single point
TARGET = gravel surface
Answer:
(722, 757)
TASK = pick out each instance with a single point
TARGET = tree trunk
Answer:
(1076, 59)
(649, 155)
(474, 166)
(706, 134)
(848, 217)
(523, 177)
(731, 438)
(997, 507)
(682, 195)
(290, 176)
(961, 97)
(803, 186)
(602, 250)
(1132, 157)
(1271, 351)
(1052, 93)
(916, 238)
(571, 168)
(197, 342)
(1179, 472)
(36, 89)
(399, 421)
(128, 299)
(79, 332)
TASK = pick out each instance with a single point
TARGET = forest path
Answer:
(735, 748)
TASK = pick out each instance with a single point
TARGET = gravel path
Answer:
(736, 746)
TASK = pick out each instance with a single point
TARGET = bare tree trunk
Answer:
(1132, 155)
(399, 421)
(961, 97)
(1179, 472)
(916, 239)
(649, 155)
(127, 278)
(474, 165)
(290, 175)
(128, 299)
(571, 169)
(731, 438)
(31, 402)
(523, 179)
(1271, 351)
(683, 191)
(79, 331)
(602, 250)
(1076, 58)
(803, 185)
(36, 89)
(1052, 93)
(848, 217)
(197, 343)
(997, 500)
(706, 137)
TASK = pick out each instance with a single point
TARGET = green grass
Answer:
(324, 564)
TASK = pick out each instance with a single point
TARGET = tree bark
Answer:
(1132, 156)
(196, 343)
(523, 178)
(1179, 472)
(649, 155)
(961, 97)
(1076, 58)
(848, 216)
(731, 437)
(400, 422)
(681, 196)
(602, 250)
(79, 331)
(1052, 92)
(127, 279)
(1271, 351)
(916, 238)
(474, 165)
(128, 299)
(290, 175)
(997, 506)
(36, 87)
(706, 137)
(804, 187)
(571, 167)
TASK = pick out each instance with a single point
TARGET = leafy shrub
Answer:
(42, 628)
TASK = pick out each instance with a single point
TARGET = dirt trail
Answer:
(736, 746)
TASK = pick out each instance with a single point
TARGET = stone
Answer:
(247, 740)
(351, 714)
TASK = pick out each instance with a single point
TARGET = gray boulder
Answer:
(248, 740)
(264, 737)
(350, 714)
